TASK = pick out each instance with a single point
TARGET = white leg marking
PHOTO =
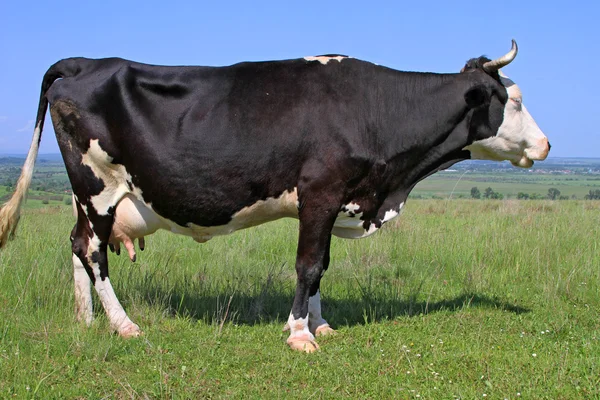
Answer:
(300, 336)
(119, 320)
(316, 324)
(83, 293)
(117, 317)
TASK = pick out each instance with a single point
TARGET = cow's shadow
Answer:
(274, 306)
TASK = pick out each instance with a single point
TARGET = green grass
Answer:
(453, 299)
(446, 183)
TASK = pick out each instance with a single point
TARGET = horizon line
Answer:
(24, 155)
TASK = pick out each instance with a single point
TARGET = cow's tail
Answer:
(10, 211)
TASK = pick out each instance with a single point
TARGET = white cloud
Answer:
(27, 127)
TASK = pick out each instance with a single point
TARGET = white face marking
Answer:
(519, 139)
(324, 59)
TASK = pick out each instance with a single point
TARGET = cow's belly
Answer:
(135, 219)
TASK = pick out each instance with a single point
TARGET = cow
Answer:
(336, 142)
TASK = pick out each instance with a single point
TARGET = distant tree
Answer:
(563, 198)
(553, 193)
(45, 201)
(475, 193)
(488, 193)
(522, 196)
(536, 196)
(573, 197)
(68, 200)
(593, 195)
(497, 196)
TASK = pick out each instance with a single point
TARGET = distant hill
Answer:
(41, 157)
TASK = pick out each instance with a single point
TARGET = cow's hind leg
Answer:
(83, 288)
(89, 243)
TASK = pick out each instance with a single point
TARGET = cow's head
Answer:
(501, 128)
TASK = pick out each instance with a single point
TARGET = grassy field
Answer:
(455, 184)
(454, 299)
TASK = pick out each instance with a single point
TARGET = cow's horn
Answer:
(495, 65)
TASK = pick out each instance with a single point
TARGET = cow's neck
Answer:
(425, 127)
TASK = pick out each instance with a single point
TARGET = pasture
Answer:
(459, 184)
(454, 299)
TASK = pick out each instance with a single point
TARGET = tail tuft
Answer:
(11, 210)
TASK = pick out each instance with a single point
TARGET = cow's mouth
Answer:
(523, 162)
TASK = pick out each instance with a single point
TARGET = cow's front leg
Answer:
(316, 324)
(316, 223)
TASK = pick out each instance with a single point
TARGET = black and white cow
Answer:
(201, 151)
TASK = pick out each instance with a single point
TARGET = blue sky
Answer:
(557, 65)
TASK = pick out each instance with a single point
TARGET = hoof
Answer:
(325, 330)
(302, 344)
(130, 331)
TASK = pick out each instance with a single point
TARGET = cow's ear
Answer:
(478, 96)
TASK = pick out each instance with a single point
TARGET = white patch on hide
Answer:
(391, 214)
(136, 219)
(348, 224)
(351, 209)
(324, 59)
(114, 177)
